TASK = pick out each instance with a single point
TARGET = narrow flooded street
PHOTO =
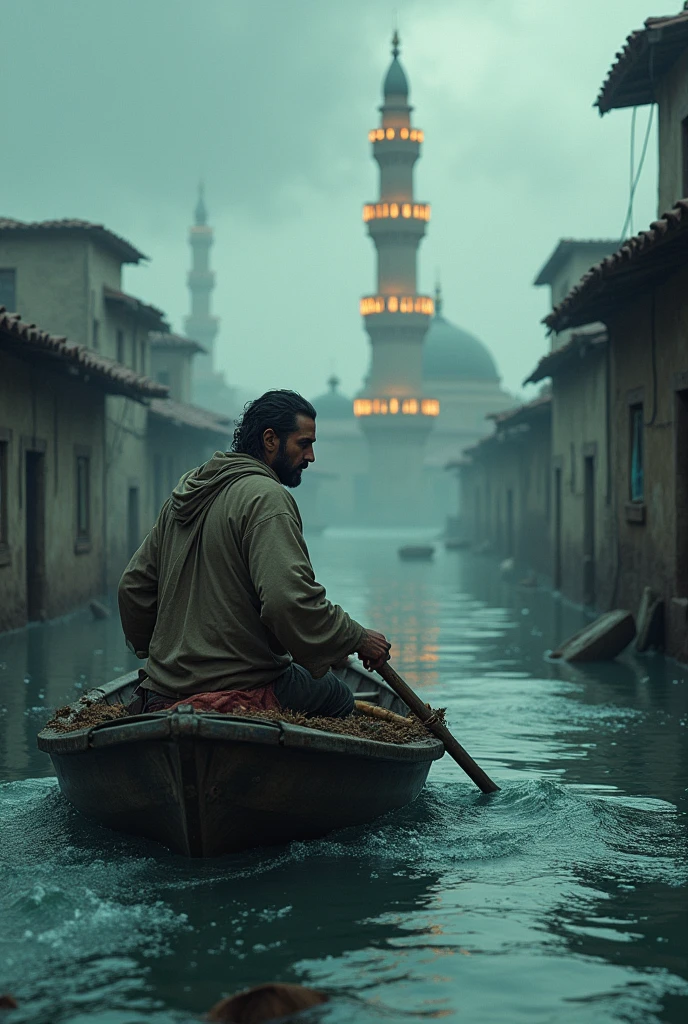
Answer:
(561, 898)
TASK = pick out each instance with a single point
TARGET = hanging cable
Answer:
(634, 184)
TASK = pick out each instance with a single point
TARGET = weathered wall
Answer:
(649, 363)
(173, 368)
(579, 430)
(48, 409)
(171, 452)
(518, 466)
(672, 96)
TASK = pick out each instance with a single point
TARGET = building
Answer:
(53, 457)
(395, 413)
(505, 486)
(67, 274)
(581, 534)
(209, 389)
(180, 435)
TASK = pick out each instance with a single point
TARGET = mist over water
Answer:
(561, 898)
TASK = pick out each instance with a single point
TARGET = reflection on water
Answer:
(561, 898)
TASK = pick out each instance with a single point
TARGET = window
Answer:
(83, 497)
(142, 357)
(8, 290)
(96, 334)
(120, 347)
(684, 158)
(4, 458)
(637, 490)
(134, 353)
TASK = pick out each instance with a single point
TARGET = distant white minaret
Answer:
(201, 325)
(393, 412)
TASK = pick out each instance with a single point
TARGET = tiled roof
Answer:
(522, 413)
(183, 415)
(149, 313)
(125, 250)
(28, 342)
(565, 248)
(576, 347)
(647, 55)
(643, 261)
(161, 339)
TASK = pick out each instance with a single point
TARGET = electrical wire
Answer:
(634, 184)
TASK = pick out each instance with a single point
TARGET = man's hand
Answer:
(373, 649)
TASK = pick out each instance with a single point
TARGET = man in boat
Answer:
(221, 598)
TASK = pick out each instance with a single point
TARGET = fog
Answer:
(113, 113)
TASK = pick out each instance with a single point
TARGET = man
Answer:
(221, 595)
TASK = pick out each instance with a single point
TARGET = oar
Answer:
(431, 722)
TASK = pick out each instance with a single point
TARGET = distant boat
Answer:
(455, 544)
(417, 552)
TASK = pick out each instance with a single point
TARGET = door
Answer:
(589, 531)
(557, 529)
(133, 530)
(35, 535)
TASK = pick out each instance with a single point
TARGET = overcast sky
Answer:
(113, 111)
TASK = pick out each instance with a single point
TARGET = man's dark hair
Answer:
(276, 409)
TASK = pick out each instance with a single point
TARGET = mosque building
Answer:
(431, 384)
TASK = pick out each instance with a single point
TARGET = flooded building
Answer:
(506, 487)
(639, 293)
(581, 530)
(53, 456)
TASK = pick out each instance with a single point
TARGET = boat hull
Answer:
(206, 784)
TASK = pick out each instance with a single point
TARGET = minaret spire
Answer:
(438, 297)
(396, 44)
(200, 324)
(200, 213)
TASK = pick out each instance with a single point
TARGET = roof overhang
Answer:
(119, 246)
(561, 359)
(566, 248)
(149, 315)
(646, 57)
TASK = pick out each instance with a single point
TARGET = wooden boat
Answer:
(602, 640)
(209, 784)
(416, 552)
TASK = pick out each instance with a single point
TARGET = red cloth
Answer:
(225, 702)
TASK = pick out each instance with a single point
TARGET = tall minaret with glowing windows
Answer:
(200, 324)
(393, 412)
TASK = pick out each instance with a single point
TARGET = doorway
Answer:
(133, 528)
(557, 528)
(681, 475)
(35, 535)
(589, 530)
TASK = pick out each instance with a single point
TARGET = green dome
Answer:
(449, 353)
(333, 405)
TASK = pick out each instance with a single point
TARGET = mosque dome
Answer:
(395, 83)
(333, 405)
(450, 353)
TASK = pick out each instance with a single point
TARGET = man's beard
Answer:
(288, 474)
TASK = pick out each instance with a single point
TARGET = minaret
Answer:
(395, 415)
(200, 325)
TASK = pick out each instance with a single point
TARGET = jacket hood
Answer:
(197, 489)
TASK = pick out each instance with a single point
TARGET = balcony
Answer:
(396, 407)
(373, 304)
(394, 211)
(389, 134)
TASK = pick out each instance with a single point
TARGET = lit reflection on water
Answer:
(561, 898)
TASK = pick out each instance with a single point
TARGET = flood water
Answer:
(561, 898)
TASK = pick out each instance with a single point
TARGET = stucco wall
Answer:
(651, 371)
(579, 430)
(40, 407)
(672, 96)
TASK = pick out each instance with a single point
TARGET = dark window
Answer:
(83, 497)
(96, 334)
(134, 354)
(637, 487)
(142, 360)
(4, 458)
(684, 158)
(8, 290)
(120, 347)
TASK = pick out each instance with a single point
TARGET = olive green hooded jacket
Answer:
(221, 594)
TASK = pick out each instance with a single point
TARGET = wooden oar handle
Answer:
(431, 722)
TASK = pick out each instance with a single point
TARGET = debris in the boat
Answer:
(90, 713)
(601, 640)
(271, 1001)
(401, 730)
